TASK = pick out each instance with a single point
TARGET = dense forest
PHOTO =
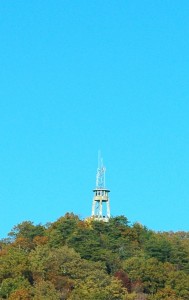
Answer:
(91, 260)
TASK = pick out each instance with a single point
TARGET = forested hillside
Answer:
(90, 260)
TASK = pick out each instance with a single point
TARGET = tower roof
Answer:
(101, 189)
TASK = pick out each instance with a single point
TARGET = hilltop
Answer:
(91, 260)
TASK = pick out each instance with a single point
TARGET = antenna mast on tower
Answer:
(101, 204)
(100, 175)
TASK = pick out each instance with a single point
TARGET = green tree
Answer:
(149, 271)
(59, 231)
(27, 230)
(10, 285)
(159, 247)
(44, 290)
(165, 294)
(100, 289)
(14, 263)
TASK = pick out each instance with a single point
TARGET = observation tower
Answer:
(101, 203)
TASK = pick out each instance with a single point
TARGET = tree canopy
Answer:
(73, 259)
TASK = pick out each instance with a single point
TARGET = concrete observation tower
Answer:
(101, 203)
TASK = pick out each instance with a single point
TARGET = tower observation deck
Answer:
(101, 203)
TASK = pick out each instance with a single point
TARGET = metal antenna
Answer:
(100, 175)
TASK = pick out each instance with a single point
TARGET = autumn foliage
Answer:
(72, 259)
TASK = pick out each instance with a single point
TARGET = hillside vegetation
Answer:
(90, 260)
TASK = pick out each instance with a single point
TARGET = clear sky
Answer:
(79, 76)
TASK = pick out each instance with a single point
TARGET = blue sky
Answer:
(79, 76)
